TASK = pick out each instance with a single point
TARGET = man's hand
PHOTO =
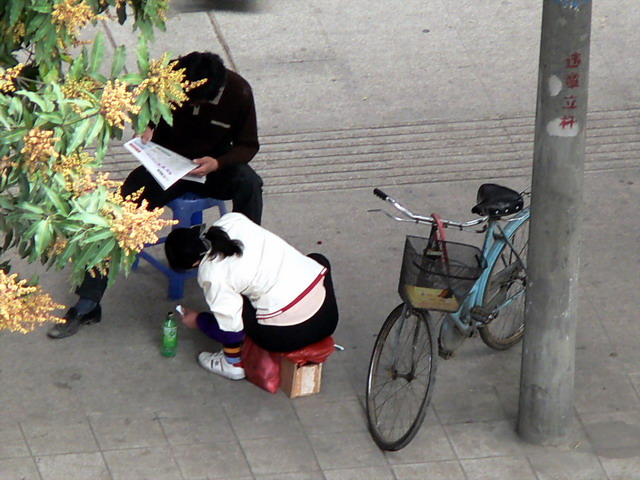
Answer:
(189, 318)
(147, 135)
(206, 165)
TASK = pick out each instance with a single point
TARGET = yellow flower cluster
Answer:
(39, 147)
(6, 163)
(72, 15)
(164, 82)
(58, 246)
(134, 225)
(81, 185)
(117, 102)
(79, 88)
(76, 163)
(8, 77)
(23, 307)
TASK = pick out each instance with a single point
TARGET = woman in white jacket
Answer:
(256, 284)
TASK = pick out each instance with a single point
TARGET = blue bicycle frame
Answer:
(495, 239)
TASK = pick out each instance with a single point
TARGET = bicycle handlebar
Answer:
(414, 218)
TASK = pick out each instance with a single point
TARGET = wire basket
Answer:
(438, 275)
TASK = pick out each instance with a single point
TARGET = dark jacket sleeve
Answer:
(245, 142)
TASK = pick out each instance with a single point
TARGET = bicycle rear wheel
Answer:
(401, 377)
(504, 294)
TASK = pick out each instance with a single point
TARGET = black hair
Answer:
(200, 65)
(184, 247)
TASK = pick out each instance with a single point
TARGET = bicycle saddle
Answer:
(497, 201)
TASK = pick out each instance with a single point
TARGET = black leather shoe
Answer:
(74, 321)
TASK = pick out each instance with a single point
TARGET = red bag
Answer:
(262, 368)
(315, 353)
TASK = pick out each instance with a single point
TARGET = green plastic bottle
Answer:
(169, 336)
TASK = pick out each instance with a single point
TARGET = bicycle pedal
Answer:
(481, 315)
(445, 355)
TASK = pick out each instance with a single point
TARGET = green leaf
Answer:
(69, 252)
(12, 136)
(102, 253)
(14, 13)
(56, 200)
(42, 236)
(98, 235)
(97, 128)
(132, 78)
(31, 208)
(79, 135)
(97, 53)
(119, 57)
(91, 219)
(143, 55)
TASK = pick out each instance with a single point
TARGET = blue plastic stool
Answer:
(187, 209)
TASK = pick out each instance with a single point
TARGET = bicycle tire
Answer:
(506, 280)
(397, 402)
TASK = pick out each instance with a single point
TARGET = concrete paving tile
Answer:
(211, 460)
(430, 444)
(185, 32)
(567, 466)
(116, 431)
(62, 435)
(198, 425)
(445, 470)
(346, 450)
(263, 415)
(509, 398)
(73, 465)
(498, 467)
(267, 456)
(13, 443)
(315, 83)
(19, 468)
(294, 34)
(374, 473)
(621, 468)
(454, 405)
(142, 464)
(602, 388)
(484, 439)
(291, 476)
(635, 381)
(336, 382)
(332, 417)
(614, 434)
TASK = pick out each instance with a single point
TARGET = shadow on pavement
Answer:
(190, 6)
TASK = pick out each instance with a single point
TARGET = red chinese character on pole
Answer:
(570, 103)
(573, 80)
(568, 121)
(573, 60)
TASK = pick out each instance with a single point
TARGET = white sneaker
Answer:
(217, 363)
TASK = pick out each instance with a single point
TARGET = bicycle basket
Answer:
(438, 276)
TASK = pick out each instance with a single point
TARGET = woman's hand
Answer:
(189, 317)
(147, 135)
(205, 166)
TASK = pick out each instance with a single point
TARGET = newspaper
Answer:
(167, 167)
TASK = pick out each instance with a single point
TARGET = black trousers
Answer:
(238, 183)
(294, 337)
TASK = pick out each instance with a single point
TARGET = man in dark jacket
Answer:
(217, 129)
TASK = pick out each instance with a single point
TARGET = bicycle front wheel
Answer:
(401, 377)
(504, 294)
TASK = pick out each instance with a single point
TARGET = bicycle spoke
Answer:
(401, 374)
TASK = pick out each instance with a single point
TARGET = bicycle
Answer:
(473, 290)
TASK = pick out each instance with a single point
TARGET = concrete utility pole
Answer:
(548, 358)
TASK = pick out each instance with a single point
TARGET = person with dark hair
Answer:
(217, 128)
(257, 284)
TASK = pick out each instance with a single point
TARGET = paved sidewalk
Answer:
(425, 99)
